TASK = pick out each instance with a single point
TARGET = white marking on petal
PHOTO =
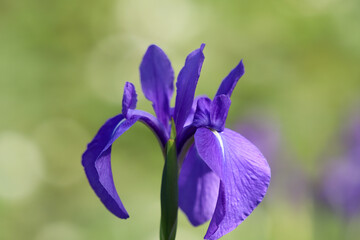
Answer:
(117, 126)
(217, 135)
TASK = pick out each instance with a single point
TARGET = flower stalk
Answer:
(169, 192)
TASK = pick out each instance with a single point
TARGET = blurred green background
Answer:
(63, 65)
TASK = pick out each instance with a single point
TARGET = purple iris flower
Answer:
(341, 181)
(351, 136)
(341, 187)
(223, 176)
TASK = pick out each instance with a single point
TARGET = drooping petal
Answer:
(228, 84)
(97, 158)
(210, 149)
(218, 112)
(244, 177)
(157, 77)
(186, 85)
(198, 188)
(97, 164)
(129, 98)
(153, 123)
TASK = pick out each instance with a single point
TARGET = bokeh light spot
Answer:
(59, 231)
(62, 141)
(20, 166)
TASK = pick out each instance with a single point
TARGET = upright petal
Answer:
(97, 164)
(191, 114)
(218, 112)
(244, 177)
(228, 84)
(157, 77)
(198, 188)
(212, 114)
(202, 112)
(186, 85)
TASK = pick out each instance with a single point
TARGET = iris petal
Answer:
(228, 84)
(190, 117)
(202, 113)
(157, 77)
(244, 177)
(186, 84)
(129, 98)
(198, 188)
(97, 164)
(97, 157)
(212, 114)
(153, 123)
(218, 112)
(128, 110)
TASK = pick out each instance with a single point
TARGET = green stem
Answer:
(169, 193)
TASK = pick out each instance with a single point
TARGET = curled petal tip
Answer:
(129, 98)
